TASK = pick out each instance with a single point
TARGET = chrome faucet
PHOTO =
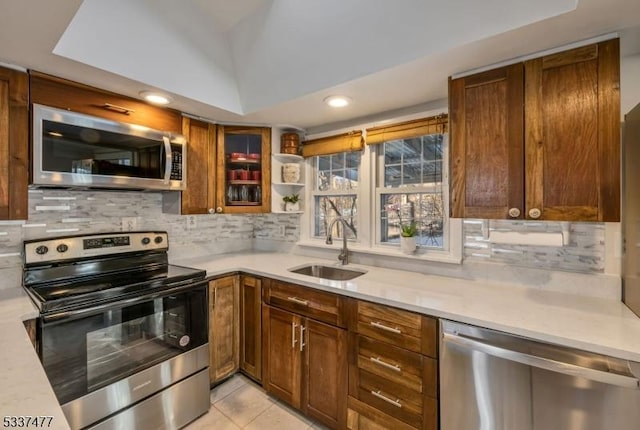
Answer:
(344, 253)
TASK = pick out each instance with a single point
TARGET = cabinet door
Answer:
(251, 327)
(325, 372)
(281, 369)
(572, 139)
(223, 328)
(14, 144)
(63, 94)
(486, 114)
(243, 169)
(199, 195)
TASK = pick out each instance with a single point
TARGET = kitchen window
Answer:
(410, 190)
(336, 177)
(399, 178)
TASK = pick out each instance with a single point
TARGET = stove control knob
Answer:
(146, 241)
(62, 248)
(41, 250)
(158, 239)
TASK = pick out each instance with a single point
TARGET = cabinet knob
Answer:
(219, 210)
(514, 212)
(534, 213)
(212, 210)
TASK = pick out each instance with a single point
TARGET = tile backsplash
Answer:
(63, 212)
(584, 253)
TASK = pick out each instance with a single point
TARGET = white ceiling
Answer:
(274, 61)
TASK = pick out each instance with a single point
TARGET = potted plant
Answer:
(407, 237)
(291, 203)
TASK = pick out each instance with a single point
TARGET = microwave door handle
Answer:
(168, 159)
(541, 362)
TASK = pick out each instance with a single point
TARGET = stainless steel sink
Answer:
(328, 272)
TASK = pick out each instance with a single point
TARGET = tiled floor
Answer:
(239, 403)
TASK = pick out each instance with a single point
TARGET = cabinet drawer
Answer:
(361, 416)
(395, 400)
(319, 305)
(398, 366)
(62, 94)
(398, 327)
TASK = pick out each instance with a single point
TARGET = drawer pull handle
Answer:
(302, 344)
(395, 402)
(116, 108)
(299, 301)
(293, 334)
(382, 363)
(384, 327)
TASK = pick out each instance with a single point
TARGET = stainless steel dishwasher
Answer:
(490, 380)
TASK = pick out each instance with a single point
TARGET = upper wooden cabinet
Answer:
(540, 139)
(228, 170)
(60, 93)
(14, 144)
(243, 169)
(199, 196)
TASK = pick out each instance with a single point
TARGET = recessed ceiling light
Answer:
(55, 134)
(154, 97)
(337, 101)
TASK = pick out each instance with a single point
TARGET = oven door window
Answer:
(86, 354)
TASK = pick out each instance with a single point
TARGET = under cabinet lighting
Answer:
(337, 101)
(155, 98)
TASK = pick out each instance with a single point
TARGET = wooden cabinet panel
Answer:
(361, 416)
(60, 93)
(199, 194)
(398, 327)
(14, 144)
(223, 327)
(251, 327)
(572, 139)
(539, 139)
(486, 112)
(304, 360)
(322, 306)
(243, 194)
(397, 365)
(325, 381)
(281, 354)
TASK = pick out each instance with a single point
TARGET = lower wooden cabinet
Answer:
(393, 369)
(251, 327)
(224, 333)
(305, 364)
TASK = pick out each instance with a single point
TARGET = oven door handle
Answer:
(76, 313)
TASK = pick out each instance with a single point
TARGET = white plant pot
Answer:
(407, 244)
(291, 207)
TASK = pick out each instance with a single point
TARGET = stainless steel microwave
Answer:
(76, 150)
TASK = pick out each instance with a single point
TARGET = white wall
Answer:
(629, 83)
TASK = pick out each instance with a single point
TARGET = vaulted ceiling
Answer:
(274, 61)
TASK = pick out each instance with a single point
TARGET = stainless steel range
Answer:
(122, 334)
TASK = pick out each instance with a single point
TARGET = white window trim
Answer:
(368, 207)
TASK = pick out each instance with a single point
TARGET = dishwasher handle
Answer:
(543, 363)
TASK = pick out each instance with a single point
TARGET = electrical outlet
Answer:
(129, 223)
(192, 222)
(282, 230)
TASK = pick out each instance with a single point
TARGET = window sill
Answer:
(435, 256)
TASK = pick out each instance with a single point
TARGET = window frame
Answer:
(380, 190)
(369, 195)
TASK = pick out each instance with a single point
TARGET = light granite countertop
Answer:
(593, 324)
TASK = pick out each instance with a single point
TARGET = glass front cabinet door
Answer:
(244, 169)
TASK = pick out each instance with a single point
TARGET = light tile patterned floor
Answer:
(239, 403)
